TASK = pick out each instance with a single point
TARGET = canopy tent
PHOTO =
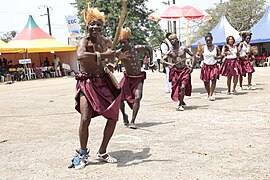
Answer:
(33, 39)
(5, 49)
(2, 43)
(260, 32)
(222, 30)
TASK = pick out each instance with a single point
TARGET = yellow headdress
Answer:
(125, 33)
(93, 14)
(172, 36)
(245, 33)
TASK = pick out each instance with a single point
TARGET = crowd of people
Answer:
(236, 61)
(11, 73)
(98, 93)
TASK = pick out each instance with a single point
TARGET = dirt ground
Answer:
(225, 139)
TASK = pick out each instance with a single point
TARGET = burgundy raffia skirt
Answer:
(246, 66)
(179, 77)
(209, 72)
(100, 93)
(129, 85)
(230, 67)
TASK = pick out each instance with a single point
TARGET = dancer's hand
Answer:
(152, 67)
(110, 54)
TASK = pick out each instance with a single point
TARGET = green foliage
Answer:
(241, 14)
(8, 36)
(144, 31)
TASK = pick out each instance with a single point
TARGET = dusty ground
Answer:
(225, 139)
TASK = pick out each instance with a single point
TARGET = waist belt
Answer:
(84, 76)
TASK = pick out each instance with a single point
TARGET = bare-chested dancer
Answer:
(179, 72)
(95, 93)
(132, 82)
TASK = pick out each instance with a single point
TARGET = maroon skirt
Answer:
(129, 85)
(230, 67)
(179, 77)
(209, 72)
(100, 93)
(246, 66)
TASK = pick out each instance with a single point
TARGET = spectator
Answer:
(146, 61)
(158, 59)
(46, 62)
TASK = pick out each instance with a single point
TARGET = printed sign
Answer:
(24, 61)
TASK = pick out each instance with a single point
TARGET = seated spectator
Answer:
(46, 62)
(264, 52)
(20, 73)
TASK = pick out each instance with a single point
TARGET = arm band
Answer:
(98, 57)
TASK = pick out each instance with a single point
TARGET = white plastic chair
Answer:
(32, 74)
(26, 74)
(267, 62)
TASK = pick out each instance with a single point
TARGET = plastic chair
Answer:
(26, 74)
(267, 62)
(32, 74)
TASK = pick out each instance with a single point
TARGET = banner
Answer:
(73, 28)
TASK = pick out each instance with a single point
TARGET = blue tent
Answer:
(261, 32)
(222, 30)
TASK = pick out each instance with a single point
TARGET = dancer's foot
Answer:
(126, 122)
(211, 98)
(132, 125)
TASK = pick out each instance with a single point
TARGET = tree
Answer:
(144, 31)
(8, 36)
(242, 15)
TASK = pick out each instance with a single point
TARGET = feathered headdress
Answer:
(93, 14)
(244, 34)
(125, 33)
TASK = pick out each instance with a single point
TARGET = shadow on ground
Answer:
(196, 107)
(149, 124)
(126, 157)
(202, 90)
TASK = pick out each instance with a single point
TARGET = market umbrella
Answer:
(154, 16)
(172, 12)
(188, 12)
(33, 39)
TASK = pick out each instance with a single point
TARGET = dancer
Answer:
(230, 66)
(95, 93)
(210, 68)
(132, 82)
(245, 58)
(179, 72)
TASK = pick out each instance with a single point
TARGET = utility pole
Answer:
(174, 22)
(169, 22)
(48, 15)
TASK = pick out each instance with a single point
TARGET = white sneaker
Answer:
(181, 108)
(235, 92)
(207, 97)
(211, 98)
